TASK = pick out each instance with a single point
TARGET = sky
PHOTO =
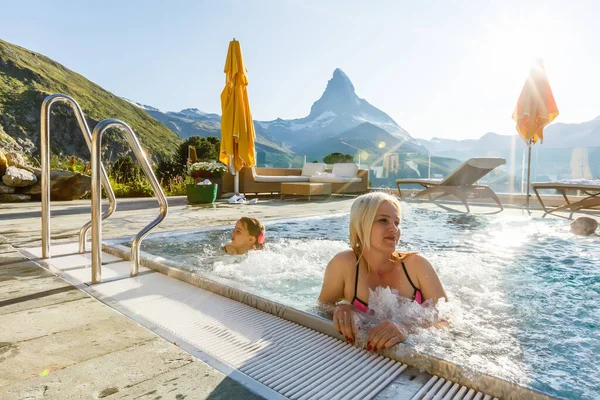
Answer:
(449, 69)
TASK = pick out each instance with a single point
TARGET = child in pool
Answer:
(584, 226)
(248, 234)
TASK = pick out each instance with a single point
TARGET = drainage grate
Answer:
(293, 360)
(440, 389)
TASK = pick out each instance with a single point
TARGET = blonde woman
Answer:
(248, 234)
(373, 262)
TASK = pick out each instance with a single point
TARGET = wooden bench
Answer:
(305, 189)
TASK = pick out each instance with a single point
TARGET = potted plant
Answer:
(200, 171)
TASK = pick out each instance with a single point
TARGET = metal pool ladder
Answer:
(97, 196)
(94, 142)
(45, 174)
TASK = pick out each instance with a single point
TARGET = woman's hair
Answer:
(257, 229)
(362, 215)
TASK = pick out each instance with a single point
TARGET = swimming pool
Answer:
(524, 292)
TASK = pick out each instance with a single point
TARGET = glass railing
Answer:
(548, 163)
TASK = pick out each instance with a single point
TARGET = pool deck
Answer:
(51, 344)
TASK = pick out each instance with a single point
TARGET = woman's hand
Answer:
(343, 320)
(386, 335)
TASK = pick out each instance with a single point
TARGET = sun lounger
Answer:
(590, 188)
(461, 183)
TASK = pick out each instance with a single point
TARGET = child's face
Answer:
(241, 237)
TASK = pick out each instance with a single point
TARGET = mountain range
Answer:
(339, 121)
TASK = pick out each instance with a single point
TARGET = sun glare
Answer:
(510, 51)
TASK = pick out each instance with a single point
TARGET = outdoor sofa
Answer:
(349, 178)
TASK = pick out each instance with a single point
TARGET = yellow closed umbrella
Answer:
(237, 127)
(535, 109)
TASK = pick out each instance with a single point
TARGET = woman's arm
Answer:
(427, 279)
(332, 291)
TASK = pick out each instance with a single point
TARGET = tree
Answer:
(207, 149)
(338, 158)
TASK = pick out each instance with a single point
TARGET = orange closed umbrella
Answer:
(535, 109)
(237, 128)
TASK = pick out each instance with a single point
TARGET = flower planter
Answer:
(201, 193)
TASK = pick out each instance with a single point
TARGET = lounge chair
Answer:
(461, 183)
(591, 189)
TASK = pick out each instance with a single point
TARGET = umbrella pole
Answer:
(236, 174)
(236, 183)
(528, 174)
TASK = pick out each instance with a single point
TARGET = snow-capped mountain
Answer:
(195, 113)
(339, 109)
(142, 106)
(338, 116)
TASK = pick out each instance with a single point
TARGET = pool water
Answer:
(524, 292)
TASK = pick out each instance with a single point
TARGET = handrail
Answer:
(96, 196)
(45, 174)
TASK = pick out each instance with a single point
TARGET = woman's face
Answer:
(240, 236)
(385, 232)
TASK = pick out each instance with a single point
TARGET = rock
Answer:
(64, 185)
(3, 162)
(17, 177)
(6, 189)
(13, 198)
(15, 159)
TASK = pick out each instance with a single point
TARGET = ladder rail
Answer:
(45, 173)
(139, 153)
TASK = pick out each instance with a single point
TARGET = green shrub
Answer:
(338, 158)
(124, 170)
(207, 149)
(177, 186)
(137, 188)
(168, 169)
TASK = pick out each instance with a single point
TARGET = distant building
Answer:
(391, 164)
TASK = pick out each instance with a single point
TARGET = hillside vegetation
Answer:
(26, 78)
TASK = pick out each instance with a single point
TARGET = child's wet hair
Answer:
(256, 229)
(584, 226)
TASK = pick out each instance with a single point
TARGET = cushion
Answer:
(333, 179)
(345, 170)
(309, 169)
(275, 178)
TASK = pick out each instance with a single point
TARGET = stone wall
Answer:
(20, 183)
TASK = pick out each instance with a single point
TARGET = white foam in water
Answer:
(524, 293)
(288, 270)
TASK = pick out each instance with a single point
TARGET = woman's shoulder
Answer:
(418, 267)
(345, 255)
(413, 261)
(343, 260)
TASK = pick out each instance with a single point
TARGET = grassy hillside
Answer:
(26, 78)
